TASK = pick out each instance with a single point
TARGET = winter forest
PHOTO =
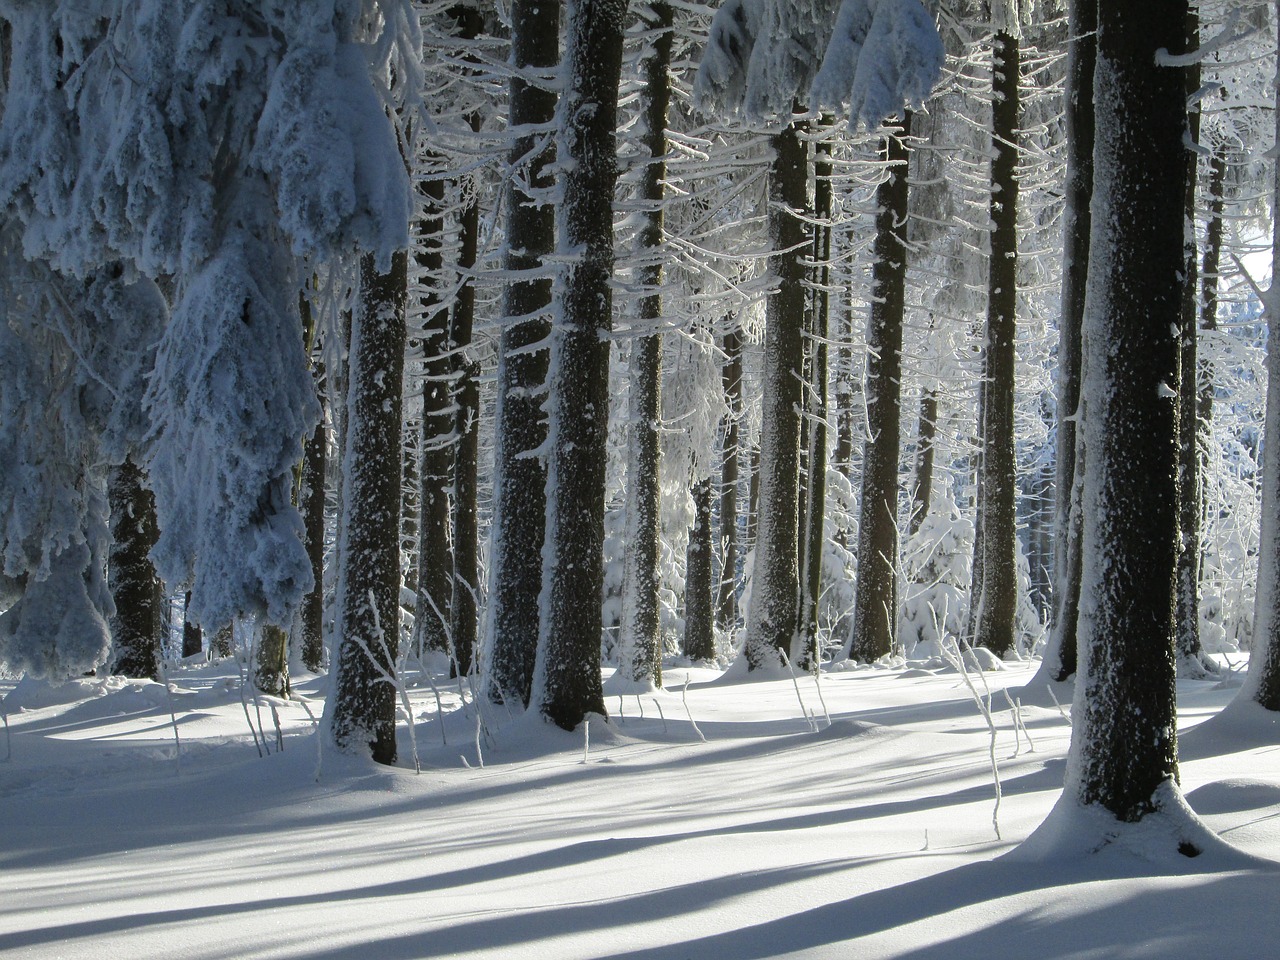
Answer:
(536, 435)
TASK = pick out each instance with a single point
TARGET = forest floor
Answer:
(721, 822)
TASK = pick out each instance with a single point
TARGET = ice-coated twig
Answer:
(661, 714)
(586, 740)
(684, 699)
(444, 740)
(985, 709)
(1015, 706)
(173, 713)
(1065, 716)
(804, 711)
(479, 752)
(817, 682)
(275, 718)
(383, 675)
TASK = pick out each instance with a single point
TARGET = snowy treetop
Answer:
(764, 56)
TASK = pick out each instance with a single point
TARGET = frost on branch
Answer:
(882, 54)
(331, 155)
(763, 56)
(230, 400)
(72, 361)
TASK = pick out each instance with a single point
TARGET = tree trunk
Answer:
(313, 490)
(699, 632)
(1263, 683)
(192, 635)
(816, 420)
(271, 664)
(567, 676)
(642, 644)
(435, 472)
(771, 623)
(1124, 724)
(1059, 661)
(466, 418)
(519, 517)
(731, 377)
(1191, 660)
(922, 490)
(875, 609)
(362, 710)
(135, 589)
(998, 599)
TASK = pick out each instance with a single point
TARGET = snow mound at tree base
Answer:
(1172, 838)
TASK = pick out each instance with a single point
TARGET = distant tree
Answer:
(135, 590)
(876, 600)
(641, 646)
(1059, 660)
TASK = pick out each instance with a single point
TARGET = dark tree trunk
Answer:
(224, 641)
(772, 618)
(1191, 660)
(922, 489)
(313, 499)
(1060, 658)
(466, 374)
(641, 620)
(815, 515)
(435, 472)
(271, 667)
(362, 711)
(1124, 724)
(519, 517)
(875, 609)
(998, 599)
(137, 592)
(192, 635)
(568, 670)
(731, 377)
(699, 631)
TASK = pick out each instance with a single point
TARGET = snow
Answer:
(870, 838)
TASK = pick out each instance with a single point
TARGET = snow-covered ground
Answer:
(755, 833)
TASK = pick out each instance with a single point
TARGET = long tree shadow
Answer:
(1172, 923)
(568, 855)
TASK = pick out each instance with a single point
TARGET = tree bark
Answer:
(1191, 660)
(998, 598)
(817, 408)
(699, 632)
(464, 626)
(875, 609)
(192, 635)
(135, 589)
(642, 645)
(567, 676)
(435, 471)
(1124, 721)
(362, 710)
(519, 518)
(922, 489)
(1059, 661)
(774, 608)
(731, 378)
(313, 496)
